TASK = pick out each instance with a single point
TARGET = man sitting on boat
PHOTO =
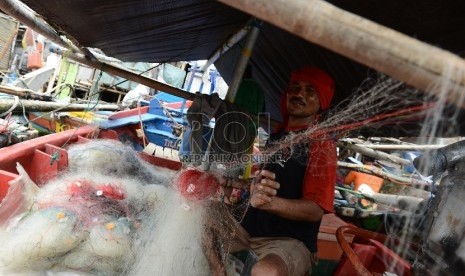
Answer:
(289, 199)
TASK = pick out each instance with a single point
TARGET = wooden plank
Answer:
(150, 149)
(8, 31)
(67, 76)
(328, 247)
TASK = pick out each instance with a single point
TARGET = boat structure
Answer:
(119, 122)
(55, 80)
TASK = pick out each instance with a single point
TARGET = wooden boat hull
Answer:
(130, 125)
(36, 155)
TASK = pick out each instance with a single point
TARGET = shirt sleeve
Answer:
(320, 175)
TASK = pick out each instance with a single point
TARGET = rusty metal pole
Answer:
(402, 57)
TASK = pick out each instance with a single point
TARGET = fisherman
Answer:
(288, 202)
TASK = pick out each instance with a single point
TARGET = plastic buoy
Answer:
(194, 184)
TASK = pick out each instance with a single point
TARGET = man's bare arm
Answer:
(294, 209)
(263, 196)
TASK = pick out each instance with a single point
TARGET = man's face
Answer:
(302, 100)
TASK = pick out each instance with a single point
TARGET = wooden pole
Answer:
(39, 106)
(378, 154)
(386, 175)
(388, 51)
(404, 202)
(114, 70)
(24, 93)
(404, 147)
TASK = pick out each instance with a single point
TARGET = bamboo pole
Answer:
(378, 154)
(39, 106)
(404, 147)
(388, 51)
(405, 202)
(24, 93)
(386, 175)
(389, 140)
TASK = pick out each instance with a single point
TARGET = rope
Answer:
(7, 122)
(55, 155)
(61, 86)
(176, 124)
(168, 114)
(144, 139)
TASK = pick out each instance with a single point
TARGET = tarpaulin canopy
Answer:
(168, 30)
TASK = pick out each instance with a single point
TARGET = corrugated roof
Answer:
(8, 32)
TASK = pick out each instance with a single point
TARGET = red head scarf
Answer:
(320, 80)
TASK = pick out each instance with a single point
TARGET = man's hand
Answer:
(228, 184)
(264, 189)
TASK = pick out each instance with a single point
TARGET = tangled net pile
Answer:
(88, 218)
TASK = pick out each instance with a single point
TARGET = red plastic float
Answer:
(195, 184)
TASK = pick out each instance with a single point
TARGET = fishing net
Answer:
(110, 157)
(111, 213)
(86, 220)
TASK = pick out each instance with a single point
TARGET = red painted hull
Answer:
(37, 156)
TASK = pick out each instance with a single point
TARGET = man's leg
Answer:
(280, 256)
(271, 265)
